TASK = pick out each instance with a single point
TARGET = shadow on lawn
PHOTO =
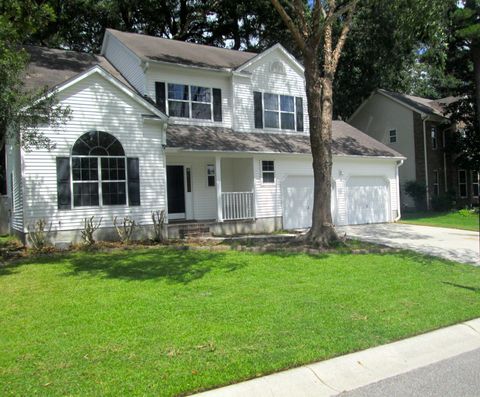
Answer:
(176, 266)
(474, 289)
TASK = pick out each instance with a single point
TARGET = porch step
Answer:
(193, 230)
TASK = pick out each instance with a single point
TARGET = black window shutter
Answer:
(160, 96)
(133, 173)
(299, 106)
(217, 104)
(64, 195)
(257, 104)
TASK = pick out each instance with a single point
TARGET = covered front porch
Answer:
(209, 188)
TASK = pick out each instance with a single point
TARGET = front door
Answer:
(175, 191)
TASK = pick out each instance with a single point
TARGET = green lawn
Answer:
(454, 219)
(164, 322)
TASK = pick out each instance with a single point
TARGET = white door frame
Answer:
(188, 196)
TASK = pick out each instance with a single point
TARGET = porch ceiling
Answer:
(347, 140)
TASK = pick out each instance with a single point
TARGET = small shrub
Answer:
(158, 218)
(126, 229)
(417, 191)
(89, 228)
(466, 212)
(38, 234)
(443, 202)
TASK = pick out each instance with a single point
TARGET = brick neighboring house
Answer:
(418, 128)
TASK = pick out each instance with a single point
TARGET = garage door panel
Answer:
(367, 200)
(297, 202)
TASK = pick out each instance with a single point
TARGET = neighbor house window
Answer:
(434, 134)
(210, 175)
(462, 183)
(3, 172)
(268, 171)
(475, 183)
(278, 111)
(393, 136)
(436, 187)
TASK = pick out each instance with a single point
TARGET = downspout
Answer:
(399, 164)
(444, 163)
(424, 119)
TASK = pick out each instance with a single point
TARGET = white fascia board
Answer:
(276, 47)
(359, 156)
(118, 84)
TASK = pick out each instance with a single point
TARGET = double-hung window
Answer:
(434, 134)
(475, 183)
(279, 111)
(178, 100)
(268, 171)
(210, 175)
(436, 186)
(392, 136)
(201, 98)
(462, 183)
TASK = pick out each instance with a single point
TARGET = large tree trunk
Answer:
(319, 98)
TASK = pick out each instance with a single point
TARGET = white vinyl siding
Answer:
(97, 105)
(15, 187)
(126, 62)
(291, 83)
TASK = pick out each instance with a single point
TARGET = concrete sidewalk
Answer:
(331, 377)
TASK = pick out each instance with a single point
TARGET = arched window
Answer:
(99, 174)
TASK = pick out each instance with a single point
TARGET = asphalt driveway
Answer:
(458, 245)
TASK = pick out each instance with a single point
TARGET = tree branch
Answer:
(318, 14)
(343, 36)
(290, 25)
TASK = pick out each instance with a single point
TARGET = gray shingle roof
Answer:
(347, 140)
(49, 67)
(179, 52)
(423, 105)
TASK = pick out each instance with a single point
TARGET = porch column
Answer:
(218, 187)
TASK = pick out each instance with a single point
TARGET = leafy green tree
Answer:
(23, 111)
(464, 67)
(398, 45)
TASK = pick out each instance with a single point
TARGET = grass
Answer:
(167, 322)
(465, 220)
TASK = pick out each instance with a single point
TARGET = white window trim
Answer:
(462, 183)
(99, 182)
(268, 172)
(475, 175)
(394, 136)
(189, 101)
(214, 174)
(279, 111)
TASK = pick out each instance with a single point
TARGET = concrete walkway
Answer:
(457, 245)
(332, 377)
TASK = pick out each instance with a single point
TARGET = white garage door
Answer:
(297, 201)
(367, 200)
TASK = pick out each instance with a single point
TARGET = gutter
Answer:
(424, 119)
(397, 177)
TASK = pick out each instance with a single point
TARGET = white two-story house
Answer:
(215, 137)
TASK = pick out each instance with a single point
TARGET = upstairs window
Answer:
(434, 135)
(392, 136)
(462, 183)
(189, 101)
(268, 171)
(283, 112)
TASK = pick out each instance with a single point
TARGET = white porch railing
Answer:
(237, 205)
